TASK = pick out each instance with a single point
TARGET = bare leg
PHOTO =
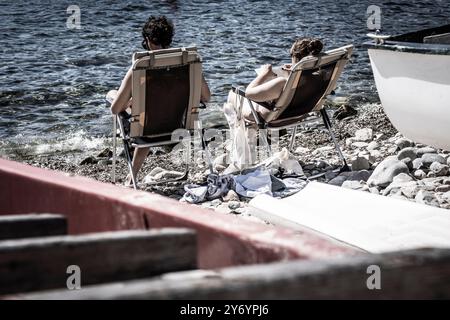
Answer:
(138, 159)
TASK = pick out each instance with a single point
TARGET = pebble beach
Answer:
(383, 162)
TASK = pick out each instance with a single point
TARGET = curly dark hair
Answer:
(158, 30)
(303, 47)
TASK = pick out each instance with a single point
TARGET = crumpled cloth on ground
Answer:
(249, 184)
(159, 173)
(216, 187)
(260, 181)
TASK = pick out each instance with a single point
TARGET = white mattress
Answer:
(371, 222)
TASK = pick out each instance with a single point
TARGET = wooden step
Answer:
(42, 263)
(417, 274)
(32, 225)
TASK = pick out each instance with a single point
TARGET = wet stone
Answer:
(403, 143)
(407, 153)
(429, 158)
(439, 169)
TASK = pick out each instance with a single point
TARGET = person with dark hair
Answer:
(157, 34)
(267, 86)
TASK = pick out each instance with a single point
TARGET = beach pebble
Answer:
(88, 160)
(362, 175)
(301, 150)
(408, 163)
(408, 152)
(231, 196)
(374, 190)
(233, 205)
(320, 164)
(421, 151)
(385, 172)
(446, 181)
(403, 143)
(410, 190)
(105, 153)
(419, 174)
(104, 162)
(446, 196)
(392, 150)
(338, 181)
(439, 169)
(355, 185)
(376, 154)
(442, 188)
(448, 161)
(426, 197)
(216, 202)
(373, 145)
(429, 158)
(364, 135)
(417, 163)
(359, 144)
(360, 163)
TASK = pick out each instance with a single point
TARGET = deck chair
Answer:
(166, 88)
(309, 83)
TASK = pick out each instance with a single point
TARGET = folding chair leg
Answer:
(113, 173)
(263, 134)
(327, 122)
(291, 144)
(130, 163)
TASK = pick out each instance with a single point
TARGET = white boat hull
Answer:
(414, 89)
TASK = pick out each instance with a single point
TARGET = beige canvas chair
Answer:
(309, 83)
(166, 88)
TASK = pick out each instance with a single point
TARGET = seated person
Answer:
(157, 34)
(267, 86)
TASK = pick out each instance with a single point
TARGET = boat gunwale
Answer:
(412, 47)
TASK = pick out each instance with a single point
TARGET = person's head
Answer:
(303, 47)
(158, 33)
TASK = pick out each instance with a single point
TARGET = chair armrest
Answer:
(260, 123)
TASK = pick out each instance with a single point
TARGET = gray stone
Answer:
(417, 163)
(362, 175)
(431, 174)
(385, 172)
(373, 145)
(439, 169)
(320, 164)
(376, 154)
(426, 197)
(231, 196)
(419, 174)
(233, 205)
(421, 151)
(403, 143)
(429, 158)
(446, 196)
(329, 175)
(360, 163)
(359, 144)
(88, 160)
(104, 162)
(443, 188)
(408, 152)
(392, 150)
(105, 153)
(338, 181)
(374, 190)
(402, 177)
(365, 135)
(355, 185)
(410, 191)
(446, 181)
(448, 161)
(408, 163)
(216, 202)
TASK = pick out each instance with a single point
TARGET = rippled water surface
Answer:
(53, 79)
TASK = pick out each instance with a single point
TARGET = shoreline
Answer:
(383, 162)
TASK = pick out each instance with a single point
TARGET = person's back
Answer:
(157, 34)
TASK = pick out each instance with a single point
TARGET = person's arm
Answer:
(121, 102)
(205, 93)
(265, 87)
